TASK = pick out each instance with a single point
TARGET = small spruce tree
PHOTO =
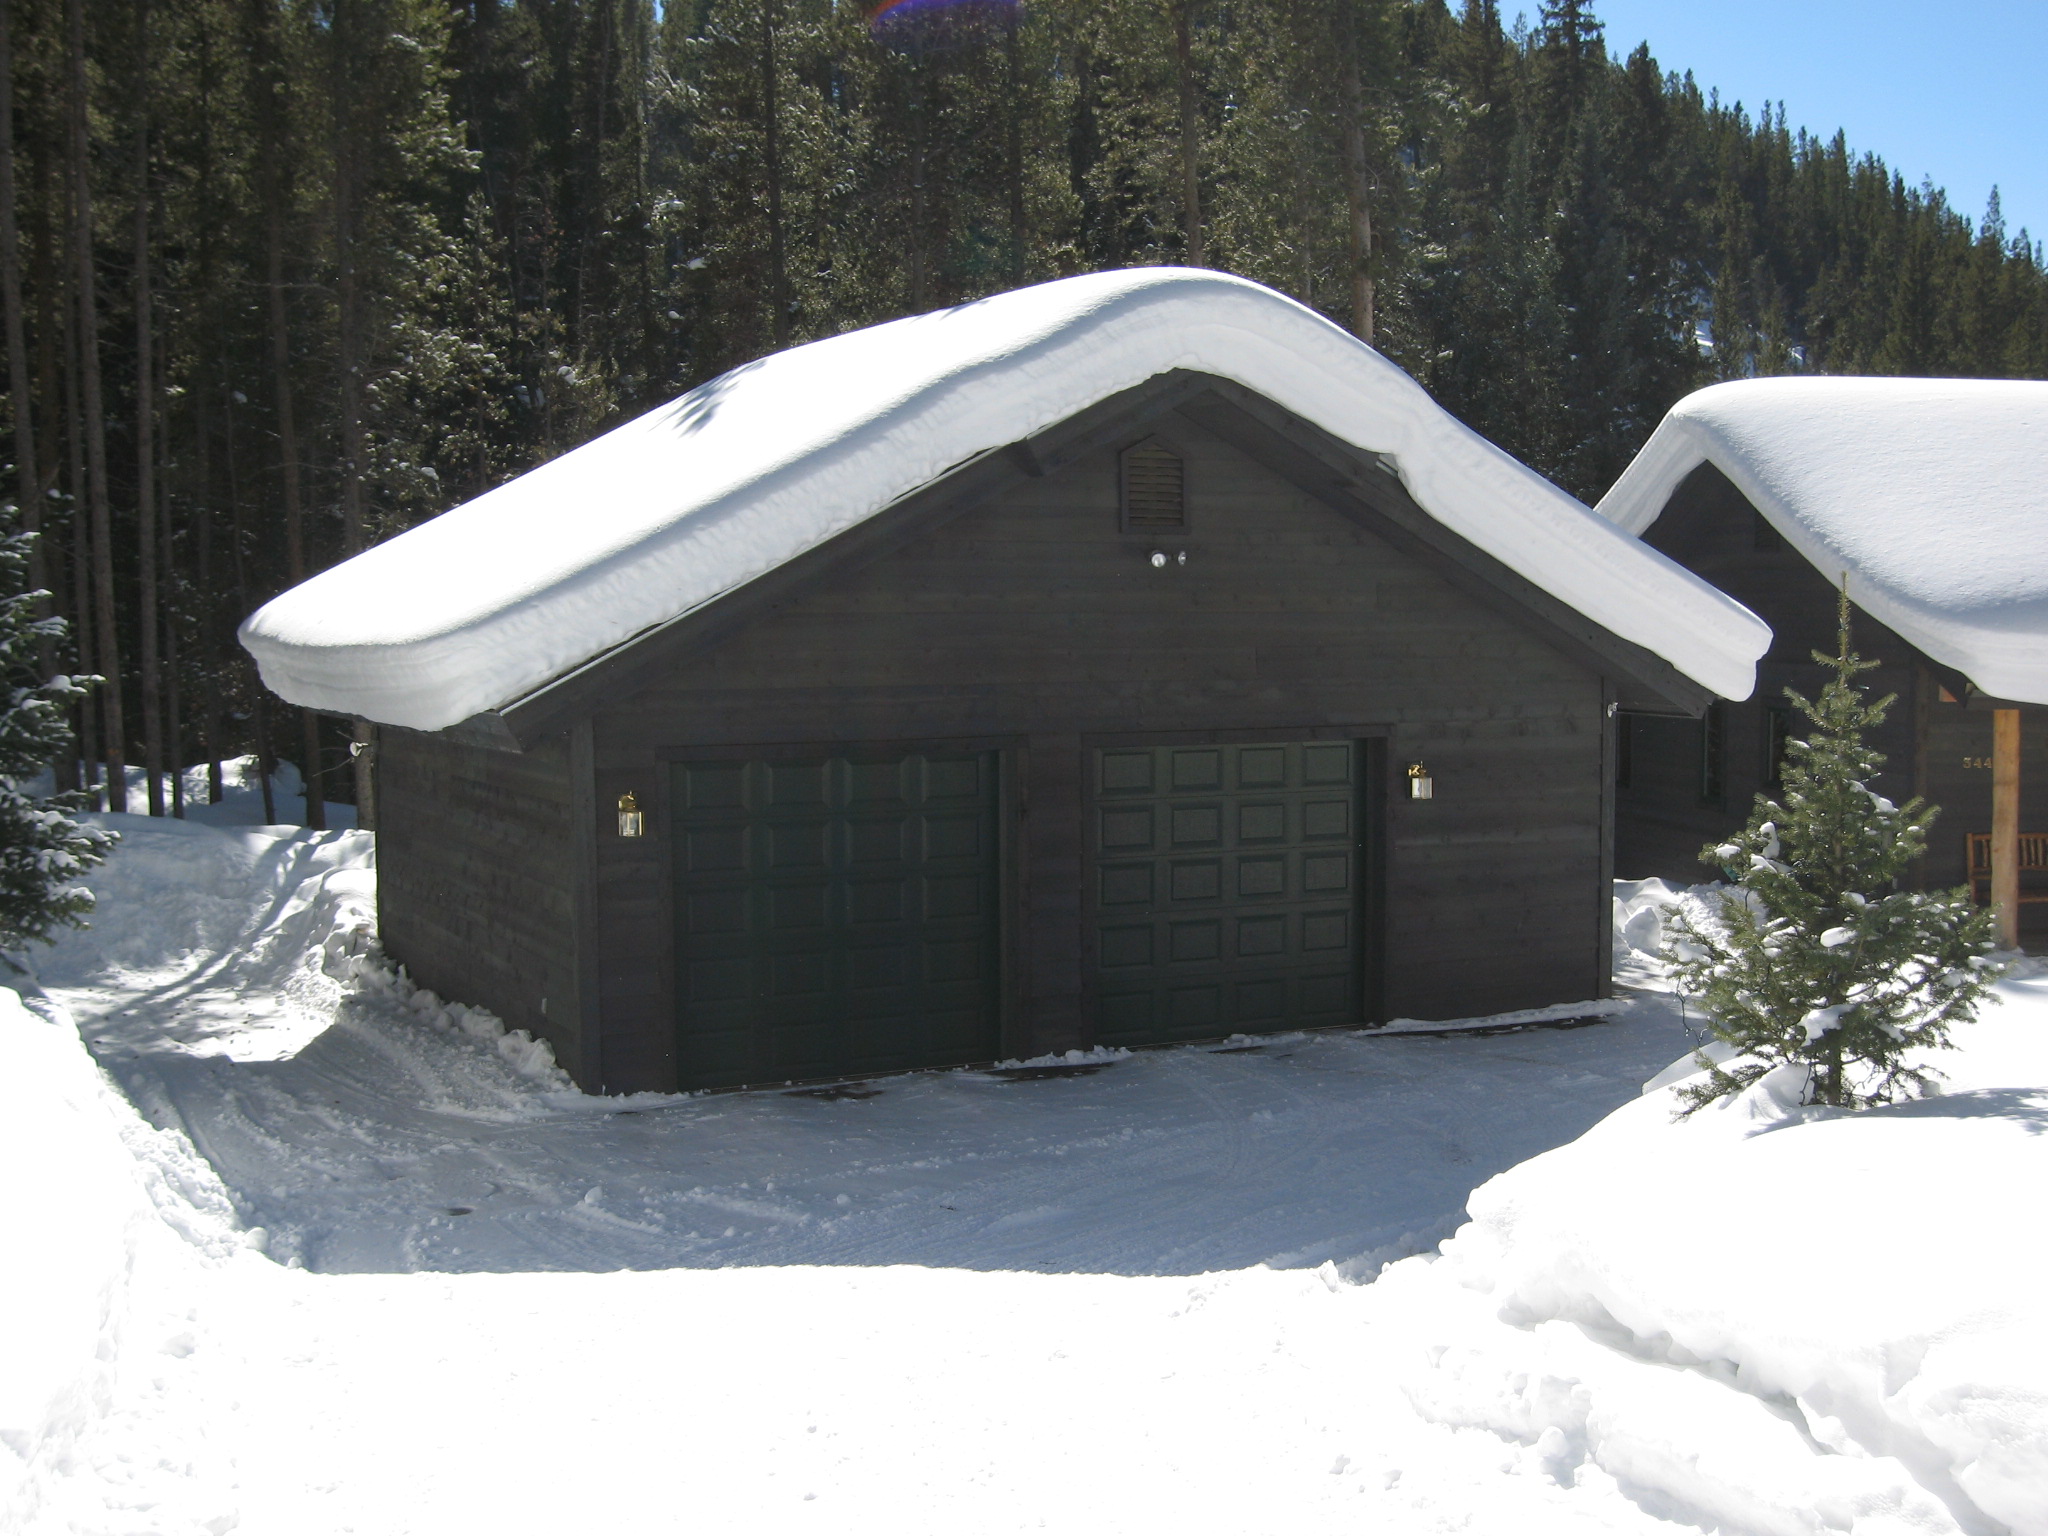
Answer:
(1820, 960)
(42, 850)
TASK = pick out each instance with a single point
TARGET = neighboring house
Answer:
(1930, 497)
(1060, 670)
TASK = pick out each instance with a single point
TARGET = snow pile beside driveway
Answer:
(1772, 1318)
(111, 1229)
(1643, 909)
(246, 939)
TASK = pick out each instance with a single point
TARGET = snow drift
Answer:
(1872, 1279)
(113, 1230)
(1930, 494)
(485, 603)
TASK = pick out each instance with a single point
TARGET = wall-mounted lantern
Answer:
(1420, 785)
(632, 820)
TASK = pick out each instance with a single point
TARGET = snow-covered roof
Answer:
(481, 605)
(1931, 494)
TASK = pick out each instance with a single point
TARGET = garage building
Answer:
(1929, 498)
(1133, 659)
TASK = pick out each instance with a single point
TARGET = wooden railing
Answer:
(2033, 861)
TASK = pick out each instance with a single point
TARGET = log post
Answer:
(2005, 824)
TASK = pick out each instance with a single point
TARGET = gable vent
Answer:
(1154, 489)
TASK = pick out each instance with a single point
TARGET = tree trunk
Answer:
(1019, 230)
(145, 441)
(53, 368)
(109, 646)
(918, 278)
(1358, 198)
(771, 149)
(174, 735)
(1190, 144)
(264, 759)
(350, 355)
(271, 134)
(238, 537)
(81, 553)
(28, 482)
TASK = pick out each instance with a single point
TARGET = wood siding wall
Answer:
(1931, 747)
(476, 881)
(1034, 626)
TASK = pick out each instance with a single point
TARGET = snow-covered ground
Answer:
(364, 1263)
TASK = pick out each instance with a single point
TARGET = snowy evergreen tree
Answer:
(1820, 960)
(42, 850)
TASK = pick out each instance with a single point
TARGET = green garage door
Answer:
(836, 917)
(1226, 889)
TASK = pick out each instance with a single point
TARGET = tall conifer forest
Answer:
(284, 277)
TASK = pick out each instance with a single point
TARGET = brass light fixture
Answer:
(1420, 785)
(632, 820)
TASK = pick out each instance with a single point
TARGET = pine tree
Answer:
(1820, 961)
(42, 850)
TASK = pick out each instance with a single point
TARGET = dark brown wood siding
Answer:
(1034, 627)
(475, 885)
(1932, 748)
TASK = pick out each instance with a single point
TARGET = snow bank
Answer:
(1871, 1279)
(113, 1230)
(1932, 494)
(281, 919)
(481, 605)
(1643, 909)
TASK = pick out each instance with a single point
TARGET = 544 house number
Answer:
(1976, 762)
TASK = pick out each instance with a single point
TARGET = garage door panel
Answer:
(1325, 931)
(1261, 877)
(956, 778)
(1328, 763)
(713, 850)
(1262, 822)
(1262, 936)
(1195, 1012)
(794, 785)
(1127, 830)
(1326, 819)
(1127, 771)
(798, 908)
(870, 902)
(1226, 881)
(835, 917)
(1261, 1002)
(718, 911)
(1126, 885)
(876, 841)
(1126, 947)
(1195, 941)
(713, 786)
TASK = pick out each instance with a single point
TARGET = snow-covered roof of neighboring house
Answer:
(478, 607)
(1930, 494)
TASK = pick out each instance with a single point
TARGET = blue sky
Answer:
(1954, 93)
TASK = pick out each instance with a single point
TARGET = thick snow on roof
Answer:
(476, 608)
(1931, 494)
